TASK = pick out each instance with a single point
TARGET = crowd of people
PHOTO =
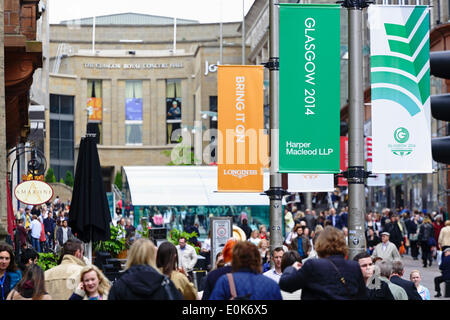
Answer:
(312, 263)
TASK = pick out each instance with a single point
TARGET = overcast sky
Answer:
(201, 10)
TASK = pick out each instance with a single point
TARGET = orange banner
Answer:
(242, 144)
(96, 105)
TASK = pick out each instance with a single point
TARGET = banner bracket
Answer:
(272, 64)
(276, 193)
(356, 175)
(357, 4)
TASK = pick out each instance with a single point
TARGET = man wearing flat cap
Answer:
(386, 250)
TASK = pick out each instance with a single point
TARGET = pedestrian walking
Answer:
(246, 280)
(330, 277)
(423, 291)
(93, 285)
(413, 235)
(36, 229)
(142, 280)
(31, 286)
(187, 256)
(426, 237)
(386, 250)
(167, 262)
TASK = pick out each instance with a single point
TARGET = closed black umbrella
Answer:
(89, 215)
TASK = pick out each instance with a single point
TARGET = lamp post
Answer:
(356, 173)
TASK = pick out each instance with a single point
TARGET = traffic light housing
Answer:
(440, 105)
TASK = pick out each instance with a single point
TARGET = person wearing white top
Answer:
(36, 229)
(275, 272)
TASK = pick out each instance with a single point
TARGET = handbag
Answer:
(341, 277)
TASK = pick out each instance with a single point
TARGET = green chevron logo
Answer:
(403, 75)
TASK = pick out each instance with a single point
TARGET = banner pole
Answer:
(356, 173)
(276, 191)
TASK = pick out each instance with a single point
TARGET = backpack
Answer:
(234, 295)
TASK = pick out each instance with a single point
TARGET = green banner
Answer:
(309, 88)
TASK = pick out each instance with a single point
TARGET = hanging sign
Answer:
(241, 139)
(309, 88)
(95, 104)
(400, 83)
(33, 192)
(298, 182)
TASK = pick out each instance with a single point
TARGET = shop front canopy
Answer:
(185, 186)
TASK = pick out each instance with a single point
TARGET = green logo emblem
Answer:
(401, 135)
(401, 147)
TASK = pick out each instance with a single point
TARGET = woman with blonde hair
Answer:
(93, 285)
(330, 277)
(142, 280)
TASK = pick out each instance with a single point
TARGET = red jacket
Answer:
(42, 238)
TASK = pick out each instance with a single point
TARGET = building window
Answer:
(213, 109)
(133, 112)
(95, 106)
(173, 107)
(61, 135)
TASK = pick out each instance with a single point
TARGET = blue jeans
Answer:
(36, 244)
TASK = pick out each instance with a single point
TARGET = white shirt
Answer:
(273, 274)
(64, 231)
(36, 229)
(207, 244)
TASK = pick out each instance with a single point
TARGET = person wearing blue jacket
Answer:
(247, 281)
(9, 273)
(445, 268)
(331, 276)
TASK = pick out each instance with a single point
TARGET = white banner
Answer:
(400, 76)
(310, 182)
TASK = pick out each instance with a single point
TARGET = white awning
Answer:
(185, 186)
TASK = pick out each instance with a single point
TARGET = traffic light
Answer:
(440, 105)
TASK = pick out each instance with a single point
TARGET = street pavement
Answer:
(428, 274)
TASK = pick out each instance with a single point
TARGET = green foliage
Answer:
(114, 246)
(61, 181)
(118, 180)
(50, 176)
(145, 231)
(175, 235)
(47, 260)
(69, 178)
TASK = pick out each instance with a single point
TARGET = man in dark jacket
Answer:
(396, 278)
(396, 235)
(445, 268)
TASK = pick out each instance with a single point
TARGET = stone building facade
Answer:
(130, 76)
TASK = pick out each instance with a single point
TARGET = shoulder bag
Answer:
(341, 277)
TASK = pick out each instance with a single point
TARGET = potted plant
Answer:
(47, 260)
(116, 246)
